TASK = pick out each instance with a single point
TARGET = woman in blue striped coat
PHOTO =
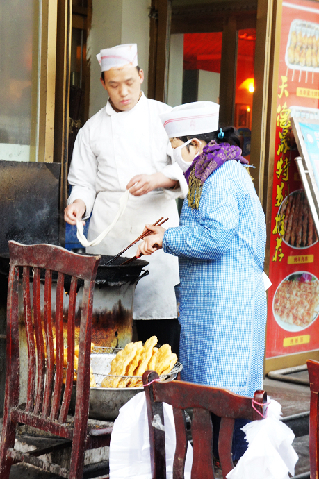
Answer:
(220, 243)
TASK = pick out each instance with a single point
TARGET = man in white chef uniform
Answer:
(124, 146)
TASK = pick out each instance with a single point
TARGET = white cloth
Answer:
(79, 224)
(109, 150)
(130, 447)
(191, 119)
(118, 57)
(270, 450)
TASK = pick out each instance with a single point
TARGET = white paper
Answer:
(130, 448)
(270, 449)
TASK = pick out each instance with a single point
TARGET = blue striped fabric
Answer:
(222, 312)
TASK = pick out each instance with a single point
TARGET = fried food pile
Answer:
(135, 359)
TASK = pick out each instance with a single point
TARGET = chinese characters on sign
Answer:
(293, 299)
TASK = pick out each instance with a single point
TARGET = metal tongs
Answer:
(159, 222)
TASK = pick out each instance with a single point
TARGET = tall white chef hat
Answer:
(118, 57)
(191, 119)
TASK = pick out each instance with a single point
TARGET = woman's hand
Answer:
(142, 184)
(152, 242)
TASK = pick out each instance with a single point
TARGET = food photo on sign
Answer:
(296, 301)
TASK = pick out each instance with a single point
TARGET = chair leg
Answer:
(7, 441)
(76, 464)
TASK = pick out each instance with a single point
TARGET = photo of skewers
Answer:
(302, 51)
(296, 226)
(296, 301)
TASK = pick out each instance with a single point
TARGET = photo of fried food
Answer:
(296, 301)
(295, 225)
(302, 45)
(131, 362)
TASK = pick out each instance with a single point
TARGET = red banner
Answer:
(293, 298)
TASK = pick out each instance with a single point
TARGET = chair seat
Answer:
(94, 426)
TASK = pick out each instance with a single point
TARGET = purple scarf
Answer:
(214, 155)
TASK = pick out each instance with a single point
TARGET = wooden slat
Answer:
(61, 123)
(70, 353)
(157, 436)
(228, 67)
(181, 444)
(30, 339)
(313, 369)
(37, 323)
(54, 427)
(202, 434)
(183, 395)
(49, 345)
(151, 87)
(59, 348)
(12, 346)
(83, 380)
(225, 444)
(160, 27)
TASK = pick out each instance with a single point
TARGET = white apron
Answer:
(110, 149)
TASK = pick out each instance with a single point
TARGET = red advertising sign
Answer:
(293, 298)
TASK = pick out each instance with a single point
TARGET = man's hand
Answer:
(152, 242)
(142, 184)
(74, 211)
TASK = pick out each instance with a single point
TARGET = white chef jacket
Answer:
(109, 150)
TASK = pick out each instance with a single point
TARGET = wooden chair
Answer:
(204, 400)
(313, 369)
(49, 389)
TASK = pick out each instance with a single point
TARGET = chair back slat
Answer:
(83, 373)
(39, 341)
(30, 339)
(181, 444)
(58, 384)
(47, 311)
(157, 435)
(70, 371)
(202, 434)
(225, 444)
(12, 346)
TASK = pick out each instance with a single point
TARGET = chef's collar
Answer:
(110, 111)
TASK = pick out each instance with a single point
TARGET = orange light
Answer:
(248, 108)
(248, 84)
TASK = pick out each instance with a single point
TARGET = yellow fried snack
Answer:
(144, 359)
(152, 361)
(92, 380)
(164, 358)
(107, 382)
(118, 368)
(172, 361)
(124, 382)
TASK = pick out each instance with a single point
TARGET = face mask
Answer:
(177, 156)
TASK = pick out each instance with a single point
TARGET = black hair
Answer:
(230, 136)
(137, 68)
